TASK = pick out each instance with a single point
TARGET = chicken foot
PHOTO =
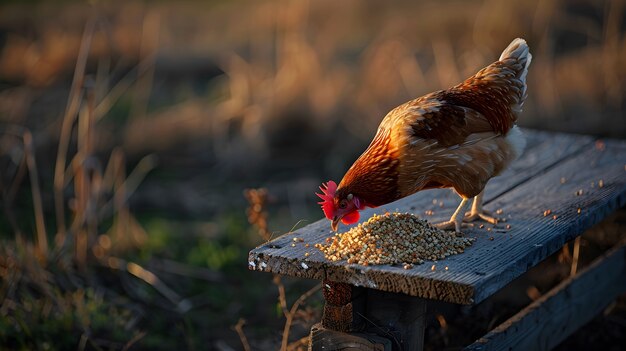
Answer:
(477, 211)
(456, 220)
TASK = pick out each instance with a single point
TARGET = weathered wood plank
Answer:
(537, 236)
(549, 320)
(488, 264)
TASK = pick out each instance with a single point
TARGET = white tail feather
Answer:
(518, 50)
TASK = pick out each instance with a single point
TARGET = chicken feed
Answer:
(393, 238)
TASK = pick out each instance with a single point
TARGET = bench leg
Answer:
(400, 317)
(368, 319)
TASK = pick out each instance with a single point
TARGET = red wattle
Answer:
(351, 217)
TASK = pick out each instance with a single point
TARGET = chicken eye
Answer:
(343, 204)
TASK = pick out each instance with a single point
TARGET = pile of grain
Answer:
(393, 238)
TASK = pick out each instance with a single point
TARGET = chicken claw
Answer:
(456, 221)
(477, 212)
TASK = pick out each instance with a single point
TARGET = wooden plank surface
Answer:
(547, 176)
(549, 320)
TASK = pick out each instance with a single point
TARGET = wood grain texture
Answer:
(323, 339)
(531, 186)
(397, 317)
(549, 320)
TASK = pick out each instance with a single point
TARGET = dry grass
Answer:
(257, 199)
(52, 282)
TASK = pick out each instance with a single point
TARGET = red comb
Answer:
(328, 193)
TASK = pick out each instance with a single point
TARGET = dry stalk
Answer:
(71, 111)
(185, 270)
(575, 256)
(132, 341)
(42, 239)
(292, 313)
(257, 199)
(148, 47)
(85, 224)
(282, 296)
(119, 205)
(242, 336)
(181, 304)
(565, 256)
(124, 187)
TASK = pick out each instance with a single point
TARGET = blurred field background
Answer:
(130, 130)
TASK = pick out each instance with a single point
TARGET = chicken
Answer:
(456, 138)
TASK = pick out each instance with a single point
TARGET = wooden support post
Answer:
(399, 317)
(368, 319)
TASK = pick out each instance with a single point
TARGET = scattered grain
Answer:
(433, 268)
(555, 217)
(491, 238)
(306, 254)
(546, 213)
(293, 245)
(407, 266)
(579, 192)
(508, 226)
(499, 211)
(429, 212)
(600, 145)
(563, 180)
(446, 268)
(393, 238)
(601, 183)
(579, 210)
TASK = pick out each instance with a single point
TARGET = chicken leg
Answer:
(477, 211)
(456, 220)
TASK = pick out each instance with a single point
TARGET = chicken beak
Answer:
(335, 223)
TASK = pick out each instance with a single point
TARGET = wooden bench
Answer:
(562, 185)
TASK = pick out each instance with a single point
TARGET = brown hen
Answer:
(459, 138)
